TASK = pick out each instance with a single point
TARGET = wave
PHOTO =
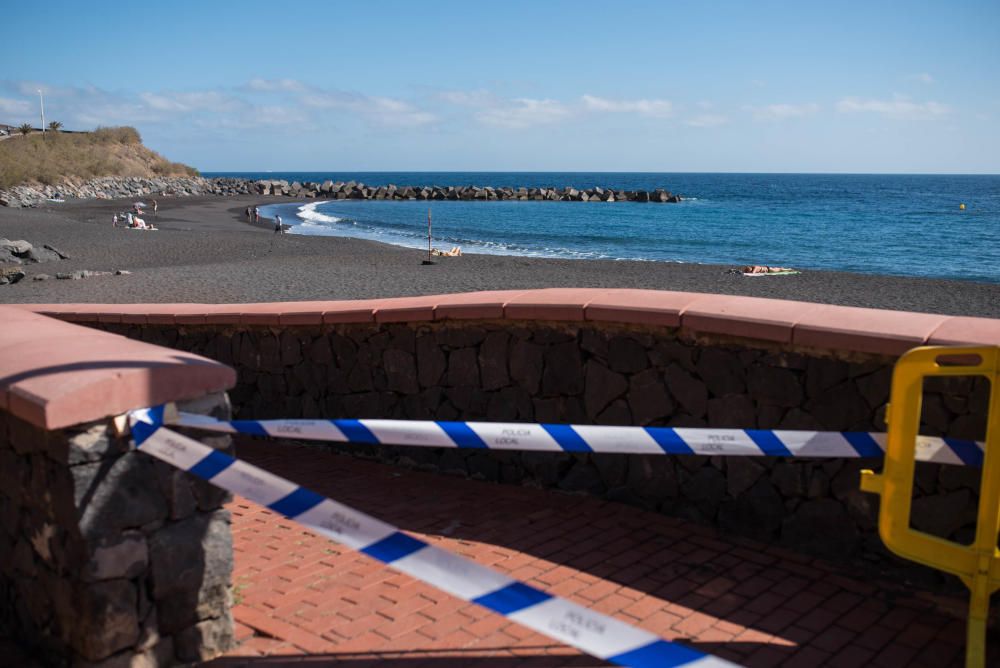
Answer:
(308, 212)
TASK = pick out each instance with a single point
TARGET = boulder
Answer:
(42, 255)
(10, 275)
(7, 257)
(20, 247)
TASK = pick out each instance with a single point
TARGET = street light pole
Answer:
(41, 102)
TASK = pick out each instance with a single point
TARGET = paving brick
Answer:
(770, 655)
(832, 639)
(804, 601)
(807, 657)
(765, 603)
(777, 620)
(894, 655)
(277, 628)
(694, 624)
(817, 620)
(875, 637)
(306, 598)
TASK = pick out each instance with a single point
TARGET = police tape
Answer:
(592, 632)
(590, 438)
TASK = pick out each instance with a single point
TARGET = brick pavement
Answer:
(300, 598)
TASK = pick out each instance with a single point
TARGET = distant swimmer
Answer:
(961, 207)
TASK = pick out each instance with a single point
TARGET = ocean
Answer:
(905, 225)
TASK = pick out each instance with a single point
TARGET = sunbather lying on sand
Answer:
(454, 252)
(751, 269)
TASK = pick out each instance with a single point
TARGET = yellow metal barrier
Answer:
(978, 564)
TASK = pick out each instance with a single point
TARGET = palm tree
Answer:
(25, 129)
(54, 126)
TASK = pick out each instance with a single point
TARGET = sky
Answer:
(857, 87)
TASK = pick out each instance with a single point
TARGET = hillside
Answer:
(55, 157)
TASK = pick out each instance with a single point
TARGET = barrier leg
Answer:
(978, 564)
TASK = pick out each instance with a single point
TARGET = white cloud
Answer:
(707, 121)
(193, 101)
(523, 113)
(272, 116)
(379, 110)
(273, 85)
(899, 107)
(922, 77)
(652, 108)
(781, 112)
(17, 108)
(474, 98)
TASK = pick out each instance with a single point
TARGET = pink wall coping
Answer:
(55, 374)
(823, 326)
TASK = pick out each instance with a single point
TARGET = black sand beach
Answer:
(204, 251)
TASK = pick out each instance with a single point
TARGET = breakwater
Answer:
(117, 187)
(353, 190)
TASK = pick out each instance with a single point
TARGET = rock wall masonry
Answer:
(111, 557)
(593, 374)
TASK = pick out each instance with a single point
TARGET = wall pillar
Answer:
(109, 557)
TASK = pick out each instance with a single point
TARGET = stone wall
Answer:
(599, 373)
(111, 558)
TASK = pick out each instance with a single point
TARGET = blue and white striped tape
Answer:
(596, 634)
(589, 438)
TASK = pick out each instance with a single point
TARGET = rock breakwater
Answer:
(123, 187)
(119, 187)
(353, 190)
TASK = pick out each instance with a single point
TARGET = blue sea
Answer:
(907, 225)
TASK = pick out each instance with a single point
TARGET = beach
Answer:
(206, 252)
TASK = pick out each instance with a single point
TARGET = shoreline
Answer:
(206, 251)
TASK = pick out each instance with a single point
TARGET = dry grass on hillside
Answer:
(54, 157)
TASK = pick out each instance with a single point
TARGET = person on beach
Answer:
(278, 229)
(256, 215)
(249, 216)
(155, 207)
(114, 221)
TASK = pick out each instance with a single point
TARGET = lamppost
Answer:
(41, 102)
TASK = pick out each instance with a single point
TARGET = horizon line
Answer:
(528, 171)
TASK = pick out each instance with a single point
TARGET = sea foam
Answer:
(309, 213)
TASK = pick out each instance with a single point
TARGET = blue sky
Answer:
(538, 86)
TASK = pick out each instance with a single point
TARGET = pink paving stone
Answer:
(865, 330)
(74, 312)
(958, 331)
(645, 307)
(551, 304)
(204, 314)
(350, 312)
(261, 314)
(405, 309)
(749, 317)
(67, 374)
(486, 305)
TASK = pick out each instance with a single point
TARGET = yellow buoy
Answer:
(961, 207)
